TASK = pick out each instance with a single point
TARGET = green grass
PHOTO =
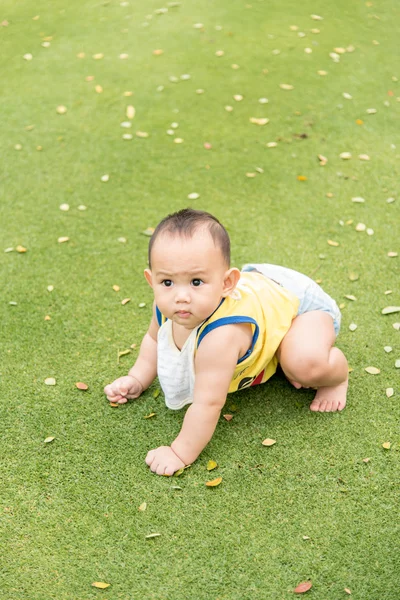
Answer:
(69, 509)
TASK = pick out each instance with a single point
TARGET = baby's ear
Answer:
(149, 277)
(231, 279)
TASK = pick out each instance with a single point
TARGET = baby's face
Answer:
(187, 276)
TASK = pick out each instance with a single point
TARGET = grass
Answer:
(69, 509)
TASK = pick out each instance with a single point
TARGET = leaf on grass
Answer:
(142, 507)
(149, 416)
(366, 460)
(211, 465)
(20, 249)
(388, 349)
(130, 112)
(345, 155)
(303, 178)
(306, 537)
(352, 326)
(50, 381)
(101, 585)
(262, 121)
(333, 243)
(152, 535)
(125, 301)
(392, 254)
(228, 417)
(61, 110)
(124, 352)
(62, 240)
(268, 442)
(48, 440)
(81, 386)
(303, 587)
(156, 393)
(178, 472)
(286, 86)
(350, 297)
(348, 591)
(372, 370)
(390, 309)
(149, 231)
(142, 134)
(116, 288)
(386, 445)
(114, 404)
(389, 392)
(214, 482)
(354, 277)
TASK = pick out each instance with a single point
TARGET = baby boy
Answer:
(216, 330)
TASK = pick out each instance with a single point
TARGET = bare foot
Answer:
(330, 399)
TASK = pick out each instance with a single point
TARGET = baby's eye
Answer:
(197, 282)
(166, 283)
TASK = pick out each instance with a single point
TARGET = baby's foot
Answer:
(330, 399)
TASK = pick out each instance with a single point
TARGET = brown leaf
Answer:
(228, 417)
(82, 386)
(214, 482)
(303, 587)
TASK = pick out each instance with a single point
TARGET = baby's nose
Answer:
(182, 295)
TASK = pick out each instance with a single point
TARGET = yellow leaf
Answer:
(143, 507)
(142, 134)
(389, 392)
(372, 370)
(211, 465)
(390, 309)
(214, 482)
(268, 442)
(50, 381)
(152, 535)
(350, 297)
(149, 231)
(101, 585)
(333, 243)
(386, 445)
(116, 288)
(48, 440)
(303, 178)
(20, 249)
(149, 416)
(125, 301)
(130, 111)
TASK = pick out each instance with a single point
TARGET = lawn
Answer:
(322, 503)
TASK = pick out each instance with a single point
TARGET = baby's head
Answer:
(185, 223)
(189, 257)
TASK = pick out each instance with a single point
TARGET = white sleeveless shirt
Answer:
(175, 368)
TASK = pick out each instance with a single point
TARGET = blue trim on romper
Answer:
(159, 316)
(228, 321)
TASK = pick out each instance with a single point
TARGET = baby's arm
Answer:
(215, 364)
(143, 372)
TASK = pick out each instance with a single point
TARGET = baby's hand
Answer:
(123, 389)
(164, 461)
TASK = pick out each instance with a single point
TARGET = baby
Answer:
(216, 330)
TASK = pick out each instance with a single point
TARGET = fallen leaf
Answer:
(50, 381)
(363, 157)
(396, 326)
(98, 89)
(303, 587)
(101, 585)
(306, 537)
(358, 200)
(345, 155)
(351, 297)
(333, 243)
(388, 349)
(262, 121)
(142, 507)
(28, 56)
(301, 178)
(359, 122)
(228, 417)
(63, 239)
(20, 249)
(372, 370)
(116, 288)
(392, 254)
(158, 52)
(214, 482)
(211, 465)
(348, 591)
(152, 535)
(48, 440)
(157, 392)
(390, 309)
(64, 207)
(386, 445)
(61, 109)
(124, 352)
(352, 326)
(397, 363)
(130, 112)
(142, 134)
(193, 196)
(98, 56)
(105, 178)
(149, 231)
(268, 442)
(238, 97)
(114, 404)
(366, 460)
(323, 160)
(360, 227)
(125, 301)
(389, 392)
(149, 416)
(353, 276)
(286, 86)
(82, 386)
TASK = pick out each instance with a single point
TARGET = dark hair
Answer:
(186, 221)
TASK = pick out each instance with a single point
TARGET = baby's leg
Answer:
(308, 359)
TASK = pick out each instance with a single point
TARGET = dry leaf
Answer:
(301, 178)
(149, 416)
(396, 326)
(158, 52)
(348, 591)
(142, 134)
(130, 111)
(64, 207)
(358, 200)
(82, 386)
(20, 249)
(286, 86)
(211, 465)
(152, 535)
(388, 349)
(214, 482)
(238, 97)
(386, 445)
(98, 89)
(389, 392)
(101, 585)
(360, 227)
(268, 442)
(193, 196)
(333, 243)
(323, 160)
(48, 440)
(105, 178)
(113, 404)
(390, 309)
(50, 381)
(61, 110)
(392, 254)
(125, 301)
(303, 587)
(116, 288)
(351, 297)
(62, 240)
(98, 56)
(352, 326)
(372, 370)
(142, 507)
(262, 121)
(228, 417)
(345, 155)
